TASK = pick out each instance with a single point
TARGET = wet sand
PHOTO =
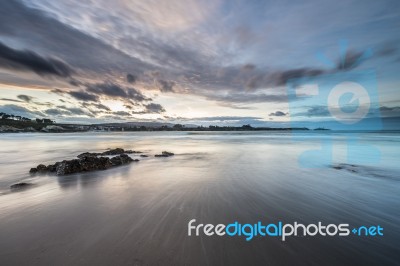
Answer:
(138, 214)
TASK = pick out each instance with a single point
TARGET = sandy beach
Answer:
(138, 214)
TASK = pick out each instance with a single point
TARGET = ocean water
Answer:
(138, 214)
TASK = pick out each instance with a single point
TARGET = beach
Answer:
(138, 214)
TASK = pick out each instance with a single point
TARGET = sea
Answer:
(138, 214)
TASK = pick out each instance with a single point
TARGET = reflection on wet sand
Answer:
(137, 214)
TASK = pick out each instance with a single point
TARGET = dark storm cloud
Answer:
(195, 69)
(136, 95)
(130, 78)
(107, 89)
(83, 96)
(278, 113)
(63, 110)
(246, 80)
(351, 60)
(166, 86)
(75, 82)
(33, 28)
(25, 98)
(154, 108)
(98, 106)
(281, 78)
(25, 60)
(115, 91)
(269, 79)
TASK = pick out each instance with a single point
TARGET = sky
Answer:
(197, 62)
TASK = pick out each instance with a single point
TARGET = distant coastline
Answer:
(49, 126)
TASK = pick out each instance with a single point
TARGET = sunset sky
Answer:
(184, 61)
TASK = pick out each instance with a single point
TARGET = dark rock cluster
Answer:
(19, 186)
(344, 166)
(87, 162)
(164, 154)
(116, 151)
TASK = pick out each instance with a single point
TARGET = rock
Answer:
(52, 167)
(86, 162)
(8, 129)
(115, 151)
(118, 151)
(88, 154)
(344, 166)
(53, 128)
(122, 159)
(164, 154)
(33, 170)
(143, 155)
(91, 163)
(29, 129)
(68, 167)
(41, 168)
(132, 151)
(19, 186)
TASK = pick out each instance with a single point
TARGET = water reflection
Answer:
(139, 213)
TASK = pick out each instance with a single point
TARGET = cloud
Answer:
(314, 111)
(98, 106)
(130, 78)
(56, 112)
(388, 49)
(25, 98)
(21, 111)
(122, 113)
(278, 113)
(24, 60)
(351, 60)
(166, 86)
(112, 90)
(10, 100)
(64, 111)
(32, 27)
(249, 67)
(228, 55)
(154, 108)
(83, 96)
(322, 111)
(77, 111)
(223, 118)
(247, 97)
